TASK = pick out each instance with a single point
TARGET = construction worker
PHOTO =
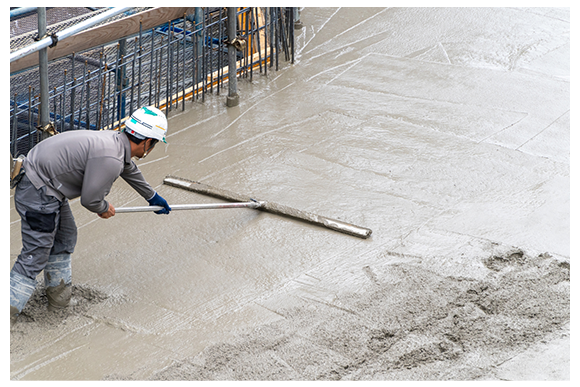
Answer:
(76, 163)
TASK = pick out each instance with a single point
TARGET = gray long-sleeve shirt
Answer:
(84, 163)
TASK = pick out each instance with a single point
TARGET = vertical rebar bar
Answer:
(291, 26)
(114, 90)
(15, 127)
(101, 100)
(272, 26)
(88, 102)
(244, 33)
(72, 91)
(53, 105)
(30, 142)
(178, 62)
(266, 54)
(277, 35)
(251, 38)
(210, 60)
(169, 67)
(220, 51)
(272, 42)
(121, 68)
(283, 40)
(134, 59)
(198, 24)
(62, 110)
(183, 41)
(194, 65)
(109, 123)
(82, 93)
(248, 48)
(159, 72)
(204, 56)
(158, 94)
(193, 61)
(99, 88)
(82, 104)
(168, 75)
(152, 69)
(138, 105)
(121, 103)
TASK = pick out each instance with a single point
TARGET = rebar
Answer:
(178, 61)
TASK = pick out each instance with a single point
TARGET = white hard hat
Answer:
(147, 122)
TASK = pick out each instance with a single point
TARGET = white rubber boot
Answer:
(57, 280)
(21, 288)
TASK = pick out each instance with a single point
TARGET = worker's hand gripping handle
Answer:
(157, 200)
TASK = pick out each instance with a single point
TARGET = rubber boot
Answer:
(21, 288)
(57, 280)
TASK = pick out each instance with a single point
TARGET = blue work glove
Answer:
(157, 200)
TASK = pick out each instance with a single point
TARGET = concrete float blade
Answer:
(274, 208)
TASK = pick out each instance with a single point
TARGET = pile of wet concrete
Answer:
(410, 324)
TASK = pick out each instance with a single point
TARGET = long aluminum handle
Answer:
(190, 207)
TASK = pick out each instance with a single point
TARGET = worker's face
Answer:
(148, 146)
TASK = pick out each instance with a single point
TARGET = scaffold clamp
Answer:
(48, 128)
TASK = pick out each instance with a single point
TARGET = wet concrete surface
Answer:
(446, 131)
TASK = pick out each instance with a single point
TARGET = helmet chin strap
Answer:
(145, 153)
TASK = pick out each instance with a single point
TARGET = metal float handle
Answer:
(174, 207)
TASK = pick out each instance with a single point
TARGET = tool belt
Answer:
(16, 172)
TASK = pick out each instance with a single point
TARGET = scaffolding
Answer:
(165, 66)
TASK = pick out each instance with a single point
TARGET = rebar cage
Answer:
(166, 66)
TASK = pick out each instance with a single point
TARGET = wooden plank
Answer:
(104, 34)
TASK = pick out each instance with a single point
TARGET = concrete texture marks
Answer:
(444, 130)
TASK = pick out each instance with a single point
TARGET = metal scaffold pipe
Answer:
(177, 54)
(46, 42)
(43, 70)
(21, 11)
(233, 98)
